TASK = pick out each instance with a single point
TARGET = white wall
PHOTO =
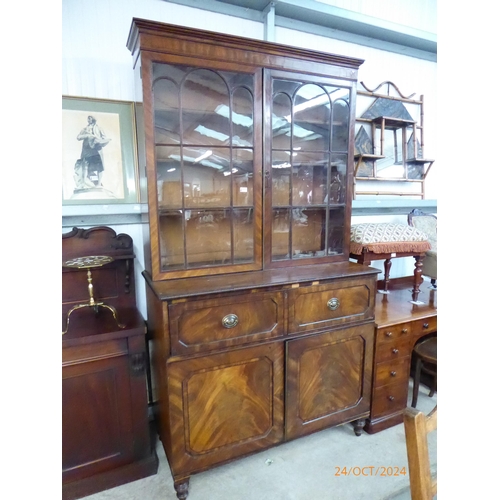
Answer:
(96, 63)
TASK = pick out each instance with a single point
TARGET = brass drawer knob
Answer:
(395, 351)
(404, 330)
(230, 321)
(333, 304)
(426, 325)
(388, 334)
(391, 398)
(393, 374)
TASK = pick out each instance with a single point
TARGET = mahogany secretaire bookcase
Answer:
(263, 329)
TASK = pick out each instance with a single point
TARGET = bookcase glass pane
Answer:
(208, 237)
(205, 182)
(311, 118)
(308, 232)
(171, 235)
(166, 111)
(336, 231)
(243, 229)
(309, 178)
(242, 177)
(281, 234)
(168, 177)
(281, 172)
(204, 135)
(310, 130)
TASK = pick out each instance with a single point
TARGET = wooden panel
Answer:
(329, 379)
(392, 372)
(198, 325)
(309, 308)
(87, 352)
(393, 350)
(96, 417)
(225, 405)
(394, 332)
(424, 326)
(389, 399)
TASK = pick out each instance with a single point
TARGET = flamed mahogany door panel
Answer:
(225, 405)
(328, 379)
(96, 417)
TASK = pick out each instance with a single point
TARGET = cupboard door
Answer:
(308, 167)
(328, 379)
(207, 171)
(97, 417)
(225, 405)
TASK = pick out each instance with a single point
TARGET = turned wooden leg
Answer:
(358, 426)
(181, 487)
(387, 271)
(417, 277)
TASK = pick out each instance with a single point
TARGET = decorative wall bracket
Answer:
(389, 143)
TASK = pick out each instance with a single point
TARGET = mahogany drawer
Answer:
(423, 326)
(393, 350)
(395, 332)
(391, 372)
(324, 306)
(202, 325)
(389, 399)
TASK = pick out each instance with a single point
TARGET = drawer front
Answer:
(392, 333)
(389, 399)
(324, 306)
(424, 326)
(203, 325)
(390, 351)
(392, 372)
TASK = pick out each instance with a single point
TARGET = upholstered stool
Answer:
(426, 362)
(385, 241)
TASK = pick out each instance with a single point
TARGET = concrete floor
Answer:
(309, 467)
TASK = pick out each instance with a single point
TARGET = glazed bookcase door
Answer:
(308, 160)
(207, 170)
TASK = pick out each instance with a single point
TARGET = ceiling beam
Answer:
(326, 20)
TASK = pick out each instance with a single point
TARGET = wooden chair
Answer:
(425, 353)
(417, 427)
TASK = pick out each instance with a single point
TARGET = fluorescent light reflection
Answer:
(206, 154)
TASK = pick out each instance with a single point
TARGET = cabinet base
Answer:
(110, 479)
(379, 424)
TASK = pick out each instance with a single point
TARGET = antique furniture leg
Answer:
(358, 426)
(387, 270)
(182, 488)
(417, 281)
(416, 383)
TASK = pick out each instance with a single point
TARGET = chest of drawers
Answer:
(399, 325)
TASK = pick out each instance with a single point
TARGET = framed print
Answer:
(99, 155)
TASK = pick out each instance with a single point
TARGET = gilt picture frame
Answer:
(99, 151)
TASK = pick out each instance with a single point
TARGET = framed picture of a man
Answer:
(99, 159)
